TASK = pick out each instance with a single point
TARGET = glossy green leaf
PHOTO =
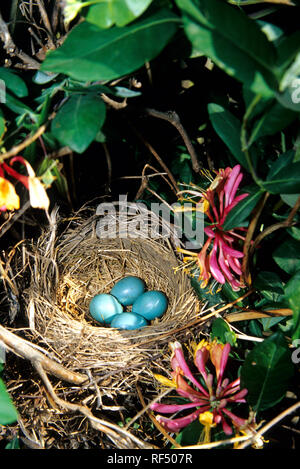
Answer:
(232, 40)
(269, 285)
(292, 291)
(240, 213)
(8, 412)
(221, 330)
(78, 121)
(228, 128)
(2, 124)
(90, 53)
(13, 82)
(284, 179)
(290, 199)
(266, 372)
(287, 255)
(275, 118)
(119, 12)
(19, 107)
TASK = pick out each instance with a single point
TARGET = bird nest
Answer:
(68, 267)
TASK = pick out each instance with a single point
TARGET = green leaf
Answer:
(292, 291)
(283, 160)
(275, 118)
(119, 12)
(205, 294)
(284, 181)
(232, 40)
(241, 211)
(90, 53)
(290, 199)
(78, 121)
(221, 330)
(8, 412)
(266, 372)
(287, 256)
(190, 435)
(269, 285)
(2, 125)
(228, 128)
(13, 444)
(18, 107)
(13, 82)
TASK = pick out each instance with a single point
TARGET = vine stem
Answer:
(276, 226)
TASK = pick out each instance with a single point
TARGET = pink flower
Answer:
(223, 261)
(213, 396)
(220, 256)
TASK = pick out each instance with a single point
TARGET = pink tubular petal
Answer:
(232, 252)
(226, 428)
(235, 188)
(238, 422)
(200, 401)
(174, 425)
(222, 262)
(235, 202)
(200, 361)
(171, 408)
(213, 265)
(240, 395)
(209, 232)
(234, 265)
(178, 353)
(230, 183)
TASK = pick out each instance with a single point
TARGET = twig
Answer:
(247, 245)
(250, 314)
(46, 22)
(23, 348)
(109, 166)
(114, 104)
(28, 141)
(114, 432)
(156, 423)
(276, 226)
(12, 49)
(173, 118)
(158, 158)
(269, 425)
(13, 218)
(144, 183)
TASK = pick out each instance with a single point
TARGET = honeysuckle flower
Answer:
(9, 200)
(213, 395)
(220, 257)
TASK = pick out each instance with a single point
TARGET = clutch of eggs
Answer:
(146, 305)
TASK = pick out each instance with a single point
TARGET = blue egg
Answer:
(152, 304)
(104, 307)
(128, 289)
(128, 321)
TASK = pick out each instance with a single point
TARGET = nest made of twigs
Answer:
(68, 269)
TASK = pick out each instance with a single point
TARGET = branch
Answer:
(24, 349)
(173, 118)
(28, 141)
(12, 49)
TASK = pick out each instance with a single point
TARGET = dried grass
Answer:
(67, 269)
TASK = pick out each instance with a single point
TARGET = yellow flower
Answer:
(9, 200)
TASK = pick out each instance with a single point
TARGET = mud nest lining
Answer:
(68, 269)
